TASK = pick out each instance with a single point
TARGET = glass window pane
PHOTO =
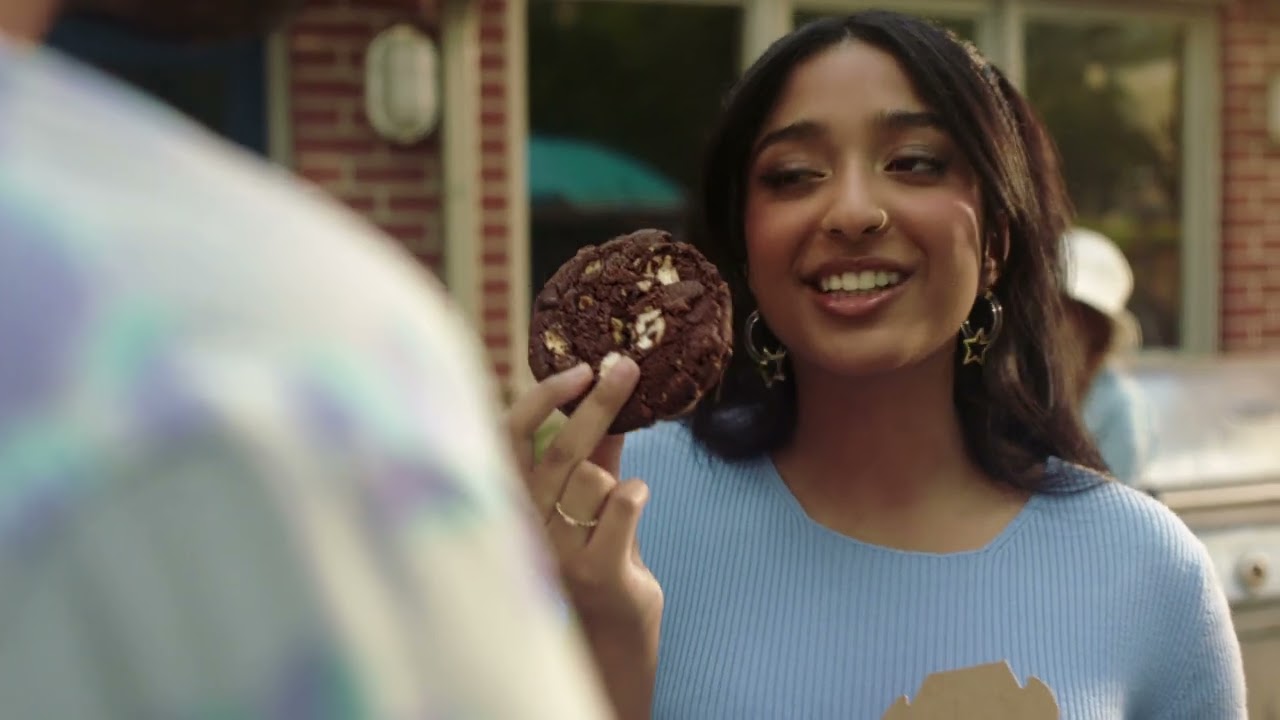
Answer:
(1111, 94)
(220, 86)
(966, 28)
(617, 119)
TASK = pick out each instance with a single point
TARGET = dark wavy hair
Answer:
(1016, 409)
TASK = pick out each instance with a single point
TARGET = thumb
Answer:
(620, 519)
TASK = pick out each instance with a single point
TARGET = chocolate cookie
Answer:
(642, 295)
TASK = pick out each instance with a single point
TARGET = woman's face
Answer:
(848, 142)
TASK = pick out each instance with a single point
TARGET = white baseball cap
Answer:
(1099, 276)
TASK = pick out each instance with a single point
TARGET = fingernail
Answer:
(612, 364)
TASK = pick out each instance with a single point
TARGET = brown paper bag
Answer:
(985, 692)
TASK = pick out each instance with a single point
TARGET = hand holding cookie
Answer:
(643, 323)
(591, 521)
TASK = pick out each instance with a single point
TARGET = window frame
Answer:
(1000, 32)
(1001, 26)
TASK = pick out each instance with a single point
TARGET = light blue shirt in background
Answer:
(1116, 414)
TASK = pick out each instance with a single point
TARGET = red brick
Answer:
(323, 175)
(310, 33)
(348, 145)
(328, 88)
(428, 203)
(317, 117)
(401, 175)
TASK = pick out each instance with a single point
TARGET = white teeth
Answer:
(859, 281)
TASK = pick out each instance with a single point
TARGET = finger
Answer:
(615, 536)
(583, 499)
(584, 430)
(532, 409)
(608, 453)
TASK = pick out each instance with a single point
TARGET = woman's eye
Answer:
(917, 165)
(789, 177)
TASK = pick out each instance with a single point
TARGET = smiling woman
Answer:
(891, 481)
(951, 156)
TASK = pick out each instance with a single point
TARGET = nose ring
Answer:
(884, 222)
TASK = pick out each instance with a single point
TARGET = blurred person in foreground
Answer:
(249, 465)
(1099, 285)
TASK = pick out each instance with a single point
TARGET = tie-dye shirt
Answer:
(249, 462)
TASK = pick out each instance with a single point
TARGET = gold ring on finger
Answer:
(573, 521)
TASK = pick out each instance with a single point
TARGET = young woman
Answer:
(891, 481)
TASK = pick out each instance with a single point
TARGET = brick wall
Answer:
(496, 216)
(333, 145)
(400, 188)
(1251, 178)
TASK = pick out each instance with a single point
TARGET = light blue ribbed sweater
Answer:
(1100, 592)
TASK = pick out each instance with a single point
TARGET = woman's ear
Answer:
(997, 253)
(990, 272)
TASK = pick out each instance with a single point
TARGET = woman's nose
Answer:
(854, 211)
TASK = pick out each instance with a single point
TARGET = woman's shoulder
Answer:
(1128, 523)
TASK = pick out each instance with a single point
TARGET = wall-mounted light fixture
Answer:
(1273, 108)
(402, 85)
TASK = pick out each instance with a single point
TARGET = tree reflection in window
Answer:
(622, 96)
(1111, 94)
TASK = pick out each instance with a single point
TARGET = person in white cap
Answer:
(1099, 285)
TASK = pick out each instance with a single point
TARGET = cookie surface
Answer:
(646, 296)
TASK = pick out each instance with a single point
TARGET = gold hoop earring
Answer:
(978, 342)
(768, 361)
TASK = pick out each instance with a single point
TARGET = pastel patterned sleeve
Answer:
(197, 526)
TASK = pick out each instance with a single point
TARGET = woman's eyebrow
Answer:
(887, 120)
(799, 130)
(908, 120)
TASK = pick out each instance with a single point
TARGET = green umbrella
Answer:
(590, 176)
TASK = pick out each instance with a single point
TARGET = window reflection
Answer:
(621, 97)
(1111, 95)
(223, 87)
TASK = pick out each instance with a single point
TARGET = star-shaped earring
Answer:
(975, 347)
(771, 373)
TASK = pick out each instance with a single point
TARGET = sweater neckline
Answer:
(779, 487)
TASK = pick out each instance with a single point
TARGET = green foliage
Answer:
(643, 79)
